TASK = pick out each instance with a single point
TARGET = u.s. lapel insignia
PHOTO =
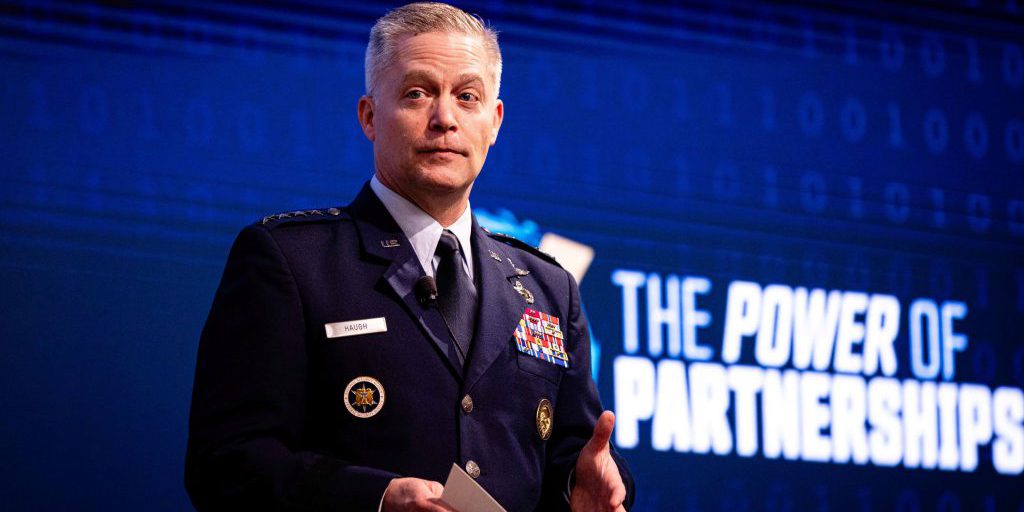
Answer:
(517, 285)
(494, 255)
(539, 335)
(364, 397)
(387, 244)
(544, 419)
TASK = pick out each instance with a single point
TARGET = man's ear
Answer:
(365, 111)
(499, 114)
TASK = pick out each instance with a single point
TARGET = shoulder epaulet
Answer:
(517, 243)
(316, 214)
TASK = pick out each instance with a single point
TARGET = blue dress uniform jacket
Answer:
(269, 428)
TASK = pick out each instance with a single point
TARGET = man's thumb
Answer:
(603, 430)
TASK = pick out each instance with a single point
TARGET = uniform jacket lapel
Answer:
(500, 306)
(381, 237)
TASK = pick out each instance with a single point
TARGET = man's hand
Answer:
(413, 494)
(598, 483)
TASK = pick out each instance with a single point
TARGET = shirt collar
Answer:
(422, 230)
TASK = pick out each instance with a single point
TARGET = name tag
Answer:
(354, 327)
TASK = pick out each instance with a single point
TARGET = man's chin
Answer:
(445, 181)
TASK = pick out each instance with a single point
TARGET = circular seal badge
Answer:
(544, 419)
(364, 397)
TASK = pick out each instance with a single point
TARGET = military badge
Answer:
(521, 290)
(518, 271)
(539, 335)
(364, 397)
(545, 418)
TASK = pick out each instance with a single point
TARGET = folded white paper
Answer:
(463, 494)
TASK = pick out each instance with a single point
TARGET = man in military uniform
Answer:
(352, 355)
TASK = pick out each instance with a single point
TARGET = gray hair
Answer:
(421, 18)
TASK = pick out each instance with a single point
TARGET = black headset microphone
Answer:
(426, 291)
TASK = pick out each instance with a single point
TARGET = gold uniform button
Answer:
(467, 404)
(473, 469)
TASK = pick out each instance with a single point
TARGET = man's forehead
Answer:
(452, 47)
(442, 56)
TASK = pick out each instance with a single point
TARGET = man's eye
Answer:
(467, 96)
(414, 95)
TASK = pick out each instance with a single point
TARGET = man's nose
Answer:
(443, 119)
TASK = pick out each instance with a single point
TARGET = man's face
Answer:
(433, 115)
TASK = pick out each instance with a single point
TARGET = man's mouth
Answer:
(441, 151)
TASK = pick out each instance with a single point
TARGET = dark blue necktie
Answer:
(456, 294)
